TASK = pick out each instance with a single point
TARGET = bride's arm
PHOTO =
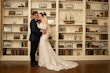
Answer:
(42, 27)
(45, 23)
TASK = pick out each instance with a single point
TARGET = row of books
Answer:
(65, 52)
(17, 36)
(24, 44)
(9, 51)
(24, 28)
(96, 52)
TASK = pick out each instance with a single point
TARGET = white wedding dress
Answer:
(47, 57)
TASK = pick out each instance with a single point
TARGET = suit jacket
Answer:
(35, 31)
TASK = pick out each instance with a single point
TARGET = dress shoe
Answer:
(34, 64)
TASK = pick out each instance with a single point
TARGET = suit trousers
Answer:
(34, 46)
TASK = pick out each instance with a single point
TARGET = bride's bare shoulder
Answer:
(45, 22)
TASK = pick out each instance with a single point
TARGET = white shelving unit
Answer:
(15, 30)
(97, 32)
(67, 39)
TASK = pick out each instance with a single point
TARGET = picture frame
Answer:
(79, 37)
(61, 36)
(68, 45)
(94, 21)
(104, 7)
(18, 13)
(8, 52)
(11, 13)
(53, 5)
(7, 44)
(51, 21)
(103, 29)
(90, 14)
(104, 45)
(62, 29)
(52, 13)
(25, 20)
(69, 6)
(6, 4)
(61, 45)
(7, 28)
(42, 5)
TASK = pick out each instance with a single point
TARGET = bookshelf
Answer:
(79, 28)
(70, 41)
(15, 29)
(97, 28)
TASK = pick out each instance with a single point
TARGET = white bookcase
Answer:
(80, 28)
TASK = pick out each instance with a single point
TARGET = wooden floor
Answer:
(84, 67)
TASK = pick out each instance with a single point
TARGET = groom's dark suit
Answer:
(34, 38)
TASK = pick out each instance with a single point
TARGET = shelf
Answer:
(96, 25)
(16, 24)
(98, 40)
(95, 10)
(70, 24)
(15, 56)
(97, 48)
(43, 8)
(17, 0)
(96, 32)
(70, 40)
(14, 16)
(16, 32)
(16, 8)
(72, 48)
(16, 40)
(97, 55)
(71, 1)
(44, 1)
(16, 47)
(96, 2)
(61, 9)
(96, 17)
(71, 32)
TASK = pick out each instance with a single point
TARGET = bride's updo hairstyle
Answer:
(43, 14)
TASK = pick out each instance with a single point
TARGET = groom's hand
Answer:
(43, 31)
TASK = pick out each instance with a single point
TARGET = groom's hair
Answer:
(35, 12)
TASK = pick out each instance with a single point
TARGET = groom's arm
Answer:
(34, 28)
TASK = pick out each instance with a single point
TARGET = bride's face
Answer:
(40, 16)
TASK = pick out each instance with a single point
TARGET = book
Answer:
(16, 36)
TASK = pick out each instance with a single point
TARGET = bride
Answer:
(47, 56)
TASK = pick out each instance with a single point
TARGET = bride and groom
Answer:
(39, 39)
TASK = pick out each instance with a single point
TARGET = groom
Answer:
(34, 38)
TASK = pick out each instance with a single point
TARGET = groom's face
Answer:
(35, 16)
